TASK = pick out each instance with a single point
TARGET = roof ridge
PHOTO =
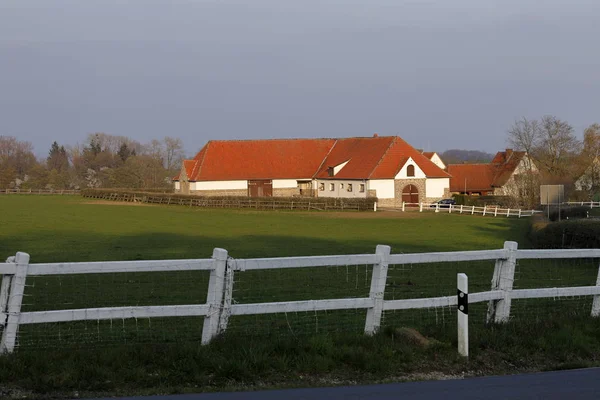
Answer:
(205, 148)
(325, 158)
(300, 138)
(383, 156)
(472, 164)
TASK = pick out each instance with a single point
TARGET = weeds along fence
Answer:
(495, 211)
(61, 305)
(260, 203)
(40, 191)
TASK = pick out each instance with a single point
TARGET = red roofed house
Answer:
(435, 158)
(506, 175)
(386, 167)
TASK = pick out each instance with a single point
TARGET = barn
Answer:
(386, 167)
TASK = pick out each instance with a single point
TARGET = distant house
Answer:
(508, 174)
(589, 180)
(385, 167)
(435, 158)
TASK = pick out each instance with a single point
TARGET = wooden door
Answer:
(410, 194)
(260, 188)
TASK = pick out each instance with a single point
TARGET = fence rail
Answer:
(40, 191)
(590, 204)
(495, 211)
(219, 305)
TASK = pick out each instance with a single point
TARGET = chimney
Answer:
(508, 153)
(375, 135)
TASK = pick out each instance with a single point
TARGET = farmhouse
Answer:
(589, 180)
(506, 175)
(385, 167)
(435, 158)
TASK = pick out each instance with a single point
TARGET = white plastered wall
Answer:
(434, 187)
(383, 187)
(419, 174)
(219, 185)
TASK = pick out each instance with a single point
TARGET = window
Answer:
(330, 171)
(410, 170)
(361, 188)
(349, 187)
(331, 187)
(341, 185)
(322, 186)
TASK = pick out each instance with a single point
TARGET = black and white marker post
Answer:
(463, 314)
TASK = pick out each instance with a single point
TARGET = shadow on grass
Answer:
(74, 246)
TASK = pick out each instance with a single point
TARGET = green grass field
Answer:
(163, 355)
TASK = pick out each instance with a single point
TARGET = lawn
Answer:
(69, 228)
(162, 355)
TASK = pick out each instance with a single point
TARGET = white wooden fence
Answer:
(218, 307)
(496, 211)
(590, 204)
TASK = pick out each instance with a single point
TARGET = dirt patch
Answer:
(118, 203)
(369, 214)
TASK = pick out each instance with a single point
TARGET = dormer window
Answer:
(410, 170)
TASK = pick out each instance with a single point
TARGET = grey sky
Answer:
(442, 74)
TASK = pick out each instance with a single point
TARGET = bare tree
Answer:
(525, 135)
(589, 173)
(558, 147)
(174, 154)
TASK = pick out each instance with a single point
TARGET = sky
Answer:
(441, 74)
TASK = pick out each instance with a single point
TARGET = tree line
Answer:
(558, 156)
(103, 160)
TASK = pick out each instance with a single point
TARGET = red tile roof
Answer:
(472, 177)
(260, 159)
(506, 162)
(485, 177)
(428, 154)
(396, 157)
(368, 158)
(363, 156)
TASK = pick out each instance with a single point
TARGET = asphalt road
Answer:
(580, 384)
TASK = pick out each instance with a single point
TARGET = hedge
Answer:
(568, 212)
(363, 204)
(574, 234)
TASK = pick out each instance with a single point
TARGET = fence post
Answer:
(228, 296)
(503, 279)
(461, 208)
(449, 208)
(508, 213)
(596, 302)
(378, 279)
(13, 304)
(519, 213)
(484, 209)
(215, 295)
(421, 207)
(403, 205)
(4, 291)
(462, 283)
(496, 211)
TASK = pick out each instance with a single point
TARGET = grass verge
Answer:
(162, 356)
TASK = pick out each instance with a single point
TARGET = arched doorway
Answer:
(410, 194)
